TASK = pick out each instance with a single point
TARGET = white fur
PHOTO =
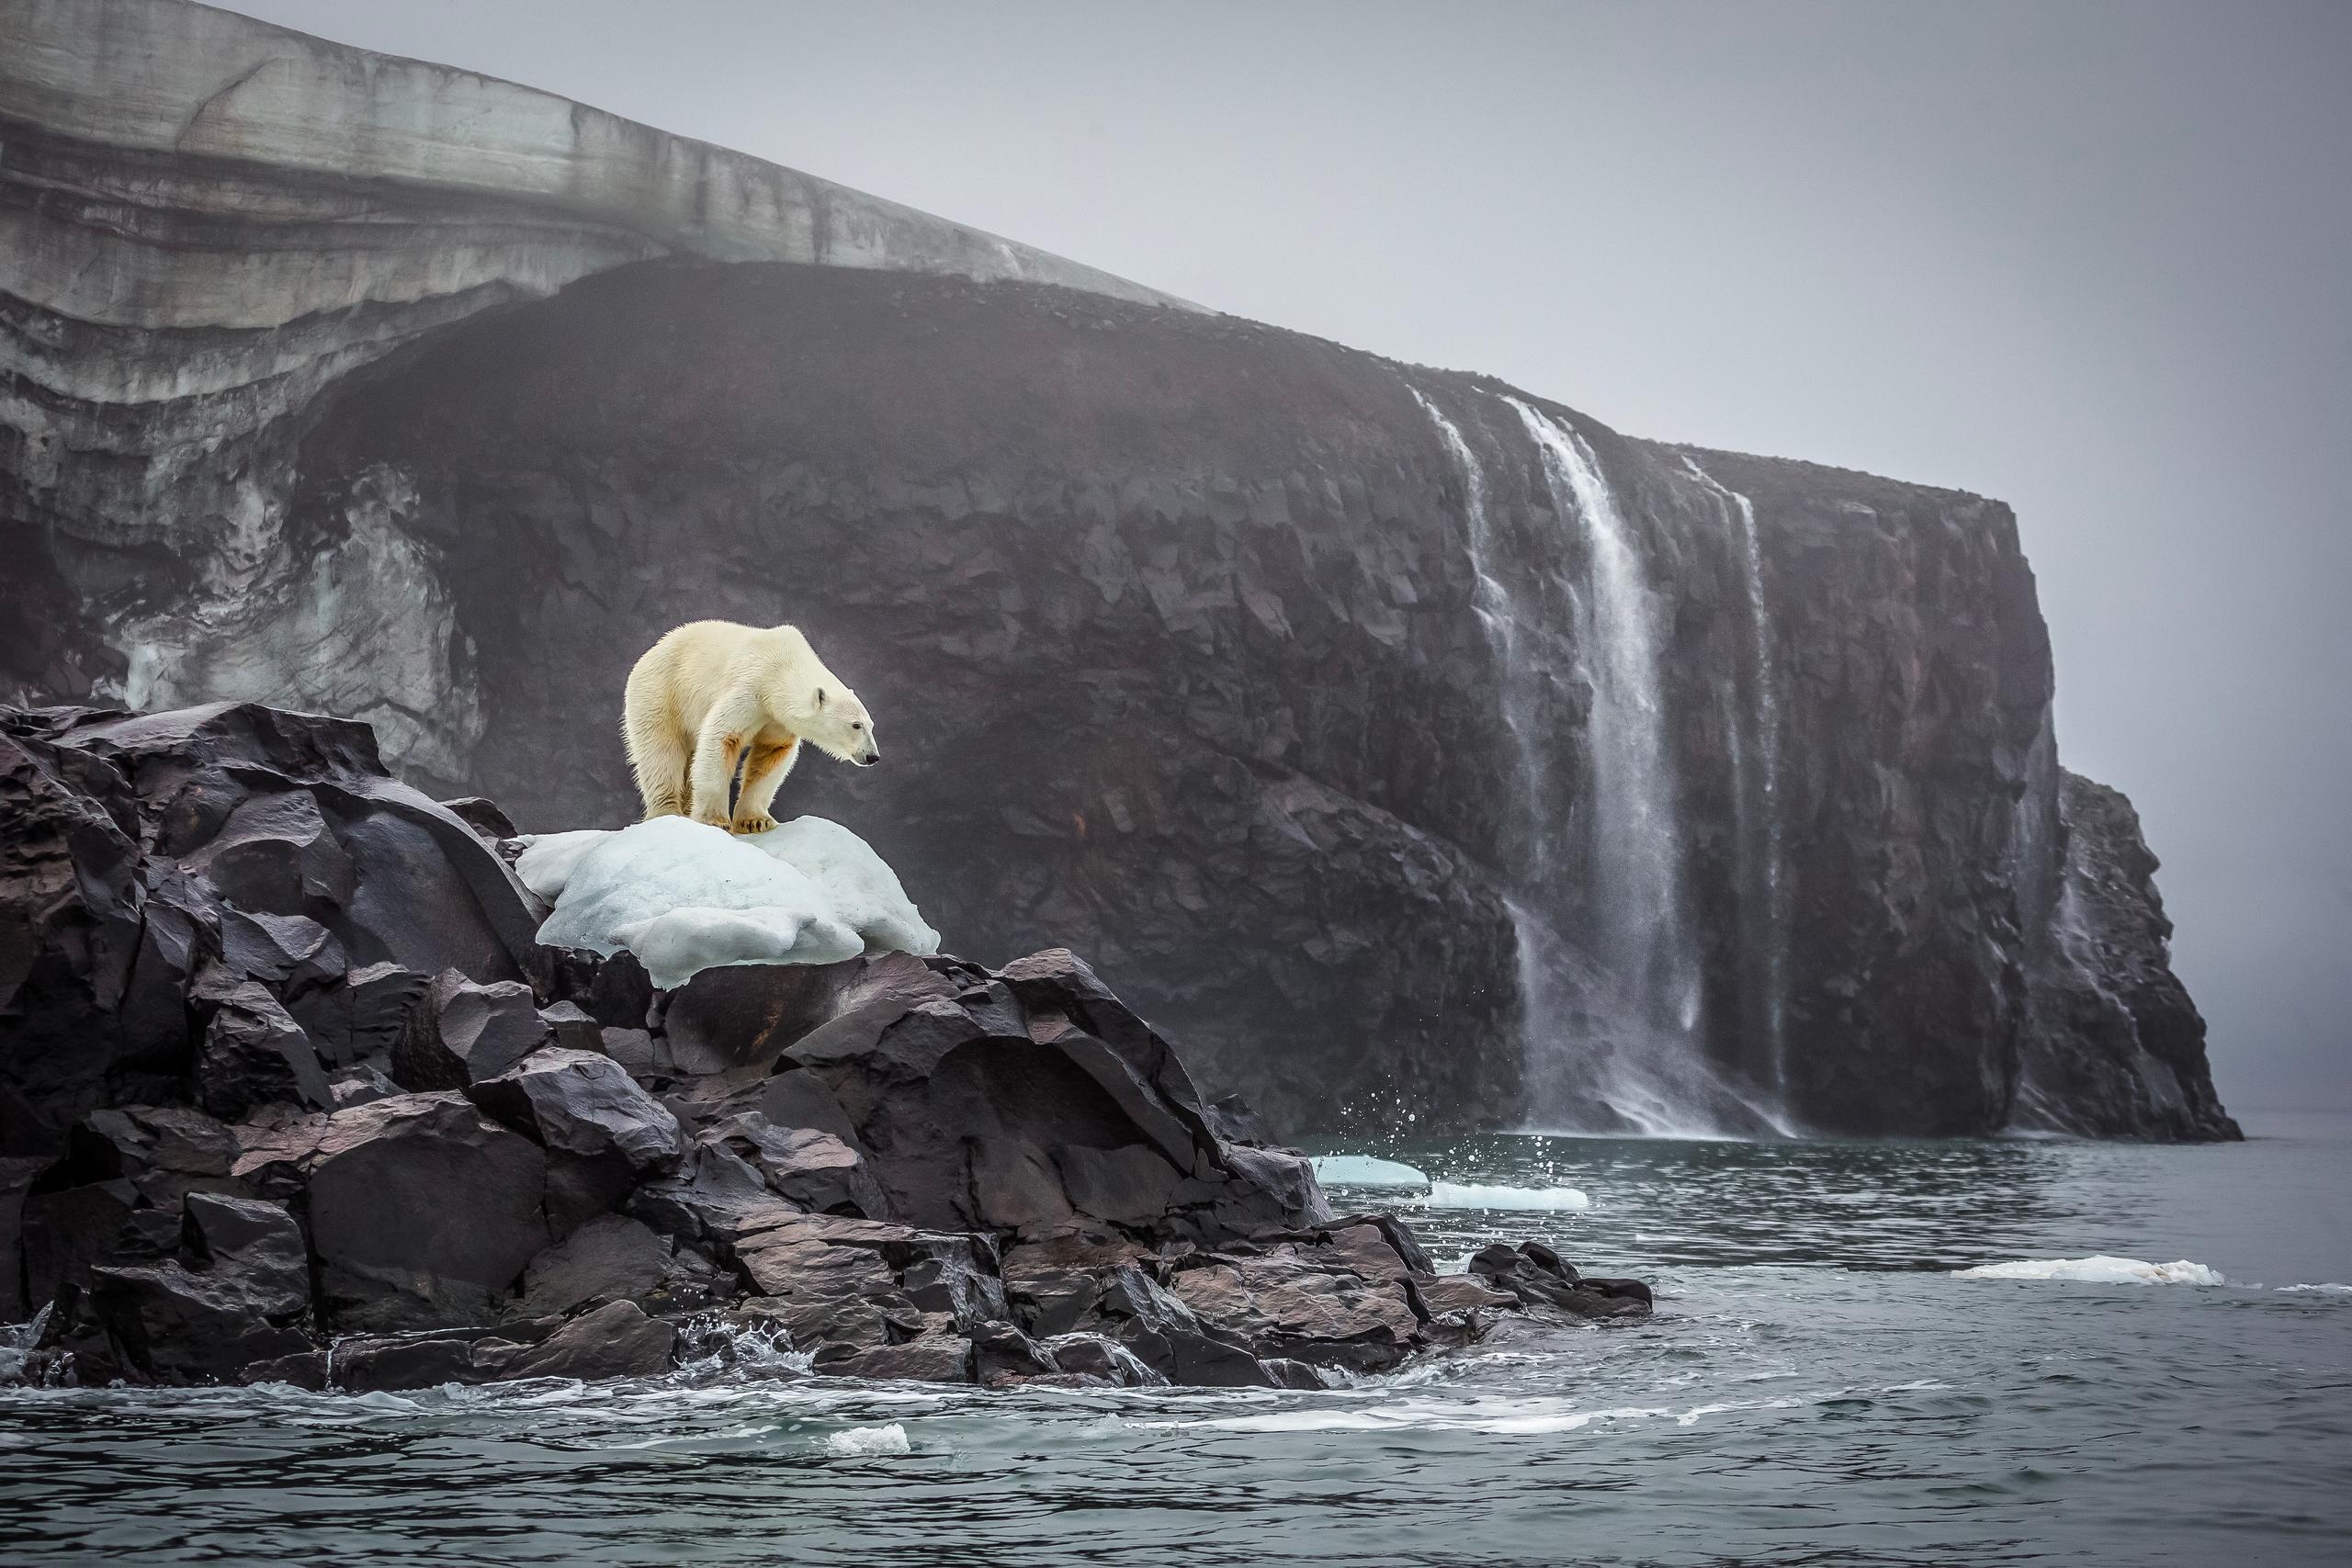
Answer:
(712, 692)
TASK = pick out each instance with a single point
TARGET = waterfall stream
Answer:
(1608, 958)
(1753, 726)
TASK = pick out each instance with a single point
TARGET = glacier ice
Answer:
(1364, 1170)
(686, 897)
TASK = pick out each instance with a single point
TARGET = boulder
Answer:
(616, 1340)
(609, 1258)
(236, 1293)
(253, 1053)
(473, 1031)
(815, 1170)
(1537, 1277)
(584, 1104)
(423, 1212)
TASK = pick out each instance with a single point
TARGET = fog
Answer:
(2094, 259)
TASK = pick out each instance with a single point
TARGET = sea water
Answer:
(1832, 1377)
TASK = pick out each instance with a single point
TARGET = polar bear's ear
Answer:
(821, 696)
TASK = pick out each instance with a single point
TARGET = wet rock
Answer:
(1162, 1332)
(1099, 1359)
(1537, 1277)
(1304, 1303)
(929, 1358)
(237, 1292)
(384, 1184)
(910, 1168)
(616, 1340)
(609, 1258)
(1053, 1285)
(1459, 1294)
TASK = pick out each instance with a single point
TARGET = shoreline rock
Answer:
(282, 1098)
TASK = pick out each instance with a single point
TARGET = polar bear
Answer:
(711, 691)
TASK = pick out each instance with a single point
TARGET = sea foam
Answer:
(861, 1442)
(2099, 1270)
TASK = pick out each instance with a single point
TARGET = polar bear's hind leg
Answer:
(657, 755)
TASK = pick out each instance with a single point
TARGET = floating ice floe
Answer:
(858, 1442)
(686, 896)
(1521, 1200)
(2099, 1270)
(1364, 1170)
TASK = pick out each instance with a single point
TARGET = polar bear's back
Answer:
(680, 677)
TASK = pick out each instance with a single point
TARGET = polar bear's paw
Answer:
(754, 822)
(713, 818)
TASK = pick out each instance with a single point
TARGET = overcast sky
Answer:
(2094, 259)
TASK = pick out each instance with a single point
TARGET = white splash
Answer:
(1364, 1170)
(862, 1442)
(2098, 1271)
(1518, 1200)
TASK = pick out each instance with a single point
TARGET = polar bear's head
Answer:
(813, 703)
(838, 724)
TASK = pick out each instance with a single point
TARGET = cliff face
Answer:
(1407, 745)
(2114, 1046)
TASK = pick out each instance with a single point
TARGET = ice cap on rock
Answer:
(686, 896)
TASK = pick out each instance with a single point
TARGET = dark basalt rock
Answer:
(422, 1211)
(470, 1032)
(2116, 1048)
(906, 1167)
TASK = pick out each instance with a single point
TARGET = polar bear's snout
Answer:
(867, 758)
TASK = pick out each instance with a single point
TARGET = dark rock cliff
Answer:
(2115, 1047)
(1411, 746)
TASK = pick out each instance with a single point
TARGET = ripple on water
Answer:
(1815, 1387)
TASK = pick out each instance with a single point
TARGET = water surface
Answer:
(1816, 1388)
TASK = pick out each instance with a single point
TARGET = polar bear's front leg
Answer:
(762, 777)
(724, 731)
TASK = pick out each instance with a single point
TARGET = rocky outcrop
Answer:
(2115, 1047)
(1417, 748)
(297, 1157)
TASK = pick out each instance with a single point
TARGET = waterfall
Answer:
(1607, 958)
(1498, 615)
(1640, 1025)
(1753, 727)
